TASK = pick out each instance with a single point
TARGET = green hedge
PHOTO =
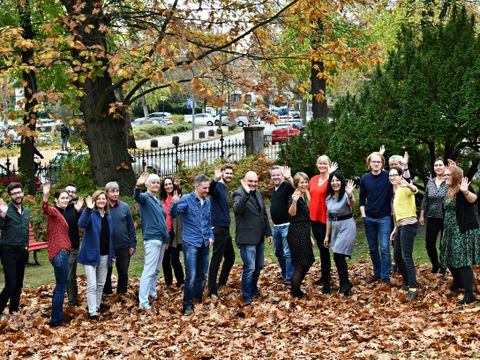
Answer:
(143, 132)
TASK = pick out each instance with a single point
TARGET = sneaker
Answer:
(373, 279)
(248, 302)
(215, 297)
(442, 272)
(299, 295)
(326, 289)
(386, 281)
(55, 324)
(412, 294)
(188, 311)
(144, 307)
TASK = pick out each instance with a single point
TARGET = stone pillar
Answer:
(254, 139)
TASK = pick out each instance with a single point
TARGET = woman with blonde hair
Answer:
(318, 215)
(97, 251)
(298, 236)
(460, 246)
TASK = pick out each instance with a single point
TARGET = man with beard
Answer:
(14, 222)
(222, 247)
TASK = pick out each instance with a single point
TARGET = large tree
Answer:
(424, 100)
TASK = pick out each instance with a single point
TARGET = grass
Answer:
(36, 276)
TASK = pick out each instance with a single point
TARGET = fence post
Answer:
(254, 139)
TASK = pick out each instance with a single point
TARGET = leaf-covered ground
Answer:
(376, 322)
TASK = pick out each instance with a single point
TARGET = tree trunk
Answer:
(25, 161)
(319, 107)
(106, 132)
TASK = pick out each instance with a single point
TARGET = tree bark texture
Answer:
(318, 84)
(106, 133)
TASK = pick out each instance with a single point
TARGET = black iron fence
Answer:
(165, 161)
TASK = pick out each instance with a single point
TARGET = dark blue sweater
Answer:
(376, 195)
(124, 235)
(219, 201)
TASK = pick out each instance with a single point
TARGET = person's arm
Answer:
(292, 210)
(467, 191)
(46, 193)
(138, 196)
(409, 185)
(326, 241)
(239, 201)
(362, 198)
(3, 213)
(132, 234)
(423, 207)
(178, 205)
(349, 191)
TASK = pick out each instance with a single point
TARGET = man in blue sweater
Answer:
(222, 247)
(124, 238)
(197, 238)
(376, 211)
(154, 233)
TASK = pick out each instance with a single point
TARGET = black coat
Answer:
(251, 219)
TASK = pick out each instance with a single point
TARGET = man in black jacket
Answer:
(14, 222)
(251, 228)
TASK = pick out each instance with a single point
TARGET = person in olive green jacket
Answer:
(14, 220)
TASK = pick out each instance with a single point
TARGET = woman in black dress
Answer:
(299, 232)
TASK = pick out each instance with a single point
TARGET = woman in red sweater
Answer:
(59, 247)
(317, 187)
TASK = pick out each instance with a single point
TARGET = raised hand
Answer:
(218, 173)
(3, 208)
(245, 185)
(296, 195)
(405, 158)
(403, 183)
(450, 162)
(286, 172)
(176, 197)
(141, 180)
(46, 189)
(350, 186)
(333, 166)
(381, 151)
(78, 205)
(90, 203)
(464, 185)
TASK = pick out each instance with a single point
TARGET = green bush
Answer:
(143, 132)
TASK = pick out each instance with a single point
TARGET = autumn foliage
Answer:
(376, 322)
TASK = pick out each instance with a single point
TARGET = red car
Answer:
(284, 134)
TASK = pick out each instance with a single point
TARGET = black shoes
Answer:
(468, 299)
(93, 317)
(345, 289)
(372, 279)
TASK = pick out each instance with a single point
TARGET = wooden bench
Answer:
(34, 245)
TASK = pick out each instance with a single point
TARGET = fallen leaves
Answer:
(375, 322)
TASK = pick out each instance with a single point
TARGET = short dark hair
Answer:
(14, 185)
(227, 166)
(70, 184)
(200, 178)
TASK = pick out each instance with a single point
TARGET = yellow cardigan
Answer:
(404, 203)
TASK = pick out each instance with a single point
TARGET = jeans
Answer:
(222, 248)
(282, 251)
(60, 269)
(196, 267)
(154, 250)
(122, 263)
(14, 259)
(96, 276)
(403, 252)
(72, 288)
(65, 143)
(433, 228)
(253, 259)
(319, 230)
(376, 229)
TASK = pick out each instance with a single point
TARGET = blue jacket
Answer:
(153, 215)
(91, 221)
(196, 219)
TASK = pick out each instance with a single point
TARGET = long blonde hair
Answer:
(456, 174)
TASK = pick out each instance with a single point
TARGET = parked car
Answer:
(152, 121)
(6, 177)
(162, 115)
(295, 114)
(244, 120)
(225, 120)
(284, 134)
(200, 119)
(297, 124)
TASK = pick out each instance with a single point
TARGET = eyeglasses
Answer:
(393, 175)
(71, 191)
(16, 193)
(375, 162)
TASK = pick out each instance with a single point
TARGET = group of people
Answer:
(193, 223)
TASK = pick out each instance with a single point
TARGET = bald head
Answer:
(252, 180)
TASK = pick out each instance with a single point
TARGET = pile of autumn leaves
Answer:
(376, 322)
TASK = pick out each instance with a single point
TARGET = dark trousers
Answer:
(222, 248)
(298, 275)
(403, 253)
(122, 263)
(463, 278)
(342, 269)
(319, 230)
(14, 259)
(171, 259)
(72, 288)
(433, 228)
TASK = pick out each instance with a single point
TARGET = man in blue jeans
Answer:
(281, 193)
(376, 211)
(251, 222)
(197, 238)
